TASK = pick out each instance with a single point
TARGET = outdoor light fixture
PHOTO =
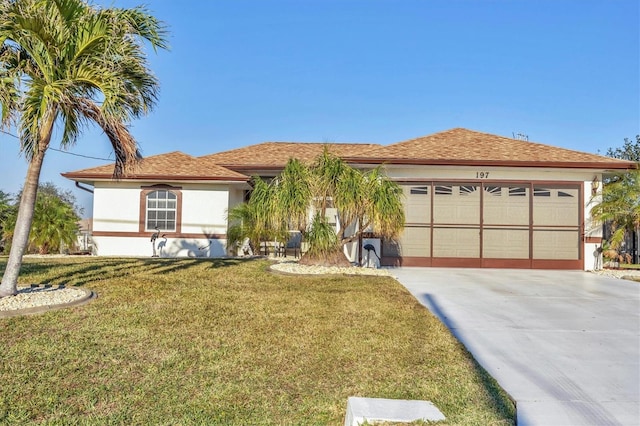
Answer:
(595, 184)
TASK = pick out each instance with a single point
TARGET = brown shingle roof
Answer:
(463, 146)
(174, 165)
(451, 147)
(270, 155)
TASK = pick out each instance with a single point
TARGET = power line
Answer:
(62, 151)
(80, 155)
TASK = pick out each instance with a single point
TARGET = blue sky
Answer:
(239, 72)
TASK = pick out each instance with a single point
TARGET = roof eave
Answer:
(104, 178)
(498, 163)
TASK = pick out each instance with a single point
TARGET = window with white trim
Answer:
(162, 206)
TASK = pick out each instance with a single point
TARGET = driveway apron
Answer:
(564, 344)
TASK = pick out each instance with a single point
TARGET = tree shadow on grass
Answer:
(80, 272)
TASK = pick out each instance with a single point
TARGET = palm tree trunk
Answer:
(20, 241)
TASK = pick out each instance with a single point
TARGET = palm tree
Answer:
(256, 219)
(6, 210)
(620, 206)
(294, 193)
(301, 196)
(54, 224)
(67, 64)
(363, 200)
(299, 199)
(369, 200)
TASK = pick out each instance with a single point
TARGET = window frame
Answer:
(144, 193)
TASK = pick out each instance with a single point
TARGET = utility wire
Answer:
(62, 151)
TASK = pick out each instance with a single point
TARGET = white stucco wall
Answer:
(116, 209)
(236, 196)
(204, 209)
(172, 247)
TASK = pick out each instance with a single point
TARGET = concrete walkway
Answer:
(564, 344)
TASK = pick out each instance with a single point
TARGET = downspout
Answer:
(83, 188)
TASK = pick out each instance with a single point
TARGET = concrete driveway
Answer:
(564, 344)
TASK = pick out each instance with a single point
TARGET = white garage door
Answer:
(493, 224)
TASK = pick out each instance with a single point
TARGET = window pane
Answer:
(493, 190)
(468, 189)
(444, 190)
(161, 210)
(516, 191)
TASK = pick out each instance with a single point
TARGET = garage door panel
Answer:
(553, 206)
(456, 204)
(416, 241)
(556, 244)
(417, 204)
(456, 242)
(507, 243)
(506, 205)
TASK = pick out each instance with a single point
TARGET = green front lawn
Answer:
(227, 342)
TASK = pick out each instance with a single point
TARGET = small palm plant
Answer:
(301, 197)
(619, 207)
(257, 219)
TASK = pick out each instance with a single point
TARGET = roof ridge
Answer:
(247, 147)
(168, 153)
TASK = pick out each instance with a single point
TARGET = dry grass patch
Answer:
(227, 342)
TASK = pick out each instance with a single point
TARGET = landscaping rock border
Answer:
(294, 268)
(40, 298)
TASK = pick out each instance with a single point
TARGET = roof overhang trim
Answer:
(162, 178)
(536, 164)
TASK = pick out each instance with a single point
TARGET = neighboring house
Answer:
(472, 199)
(84, 244)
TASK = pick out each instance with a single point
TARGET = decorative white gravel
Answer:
(28, 297)
(293, 267)
(296, 268)
(618, 273)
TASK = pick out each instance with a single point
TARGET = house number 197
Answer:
(482, 175)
